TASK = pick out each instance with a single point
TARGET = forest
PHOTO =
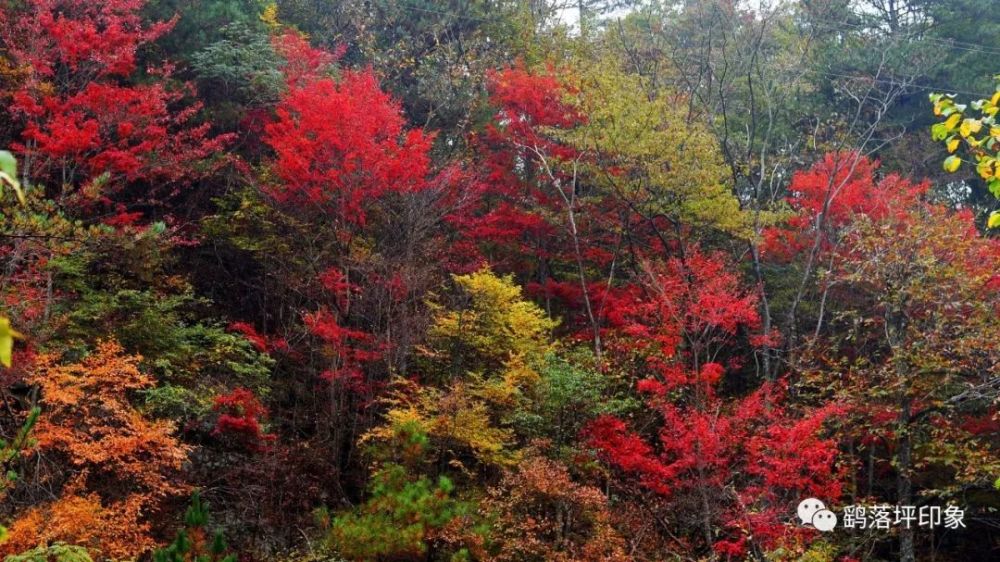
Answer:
(499, 280)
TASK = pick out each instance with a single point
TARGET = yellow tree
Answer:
(485, 355)
(972, 126)
(647, 152)
(480, 363)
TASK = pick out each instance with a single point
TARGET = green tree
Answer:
(196, 29)
(193, 543)
(406, 517)
(569, 394)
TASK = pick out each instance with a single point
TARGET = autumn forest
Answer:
(499, 280)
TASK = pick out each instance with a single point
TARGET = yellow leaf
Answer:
(995, 132)
(994, 220)
(270, 15)
(7, 335)
(12, 181)
(970, 126)
(952, 121)
(953, 145)
(985, 167)
(996, 98)
(952, 163)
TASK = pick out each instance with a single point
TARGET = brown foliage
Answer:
(541, 514)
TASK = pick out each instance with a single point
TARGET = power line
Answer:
(929, 88)
(949, 43)
(405, 6)
(969, 47)
(826, 23)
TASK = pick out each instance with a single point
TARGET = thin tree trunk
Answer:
(706, 513)
(569, 199)
(765, 314)
(595, 327)
(904, 484)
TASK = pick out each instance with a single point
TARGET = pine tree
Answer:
(192, 544)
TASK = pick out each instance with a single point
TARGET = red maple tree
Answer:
(743, 461)
(89, 129)
(340, 144)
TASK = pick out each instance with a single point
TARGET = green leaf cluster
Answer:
(569, 394)
(405, 516)
(56, 552)
(241, 66)
(8, 174)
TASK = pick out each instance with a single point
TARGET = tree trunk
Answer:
(904, 485)
(765, 310)
(706, 515)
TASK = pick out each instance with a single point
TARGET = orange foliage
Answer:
(87, 417)
(117, 465)
(541, 514)
(113, 532)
